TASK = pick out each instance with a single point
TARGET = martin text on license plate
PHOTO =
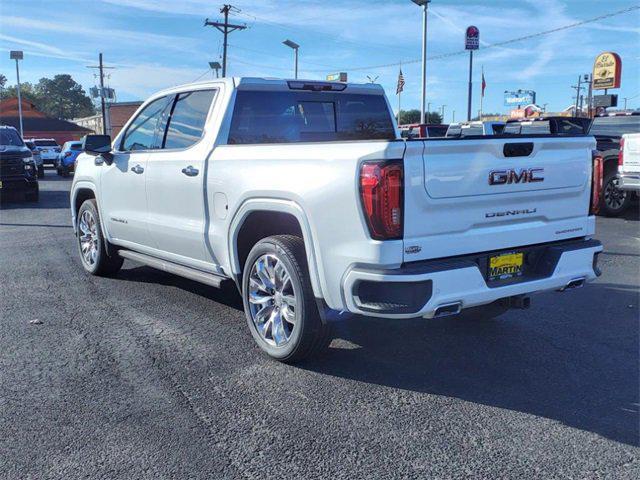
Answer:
(505, 265)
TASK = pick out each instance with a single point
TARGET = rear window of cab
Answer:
(293, 117)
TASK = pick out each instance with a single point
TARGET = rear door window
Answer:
(46, 143)
(188, 118)
(291, 117)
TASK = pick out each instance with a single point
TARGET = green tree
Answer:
(413, 116)
(62, 97)
(3, 80)
(27, 91)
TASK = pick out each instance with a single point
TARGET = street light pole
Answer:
(18, 55)
(423, 4)
(295, 47)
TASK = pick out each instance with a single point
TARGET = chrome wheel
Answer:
(272, 300)
(614, 197)
(88, 238)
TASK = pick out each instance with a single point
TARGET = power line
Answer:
(497, 44)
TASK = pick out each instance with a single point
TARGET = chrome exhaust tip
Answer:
(575, 283)
(448, 309)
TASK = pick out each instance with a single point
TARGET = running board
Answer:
(181, 270)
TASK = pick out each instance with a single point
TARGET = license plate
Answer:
(0, 183)
(506, 265)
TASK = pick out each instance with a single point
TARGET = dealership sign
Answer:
(607, 70)
(472, 38)
(337, 77)
(521, 97)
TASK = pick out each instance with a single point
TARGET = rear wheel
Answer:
(614, 201)
(279, 304)
(32, 195)
(40, 171)
(91, 243)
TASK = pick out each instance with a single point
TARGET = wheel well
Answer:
(262, 224)
(82, 195)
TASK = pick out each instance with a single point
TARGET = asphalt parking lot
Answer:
(147, 375)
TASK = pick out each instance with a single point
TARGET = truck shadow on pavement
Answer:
(48, 199)
(573, 362)
(579, 367)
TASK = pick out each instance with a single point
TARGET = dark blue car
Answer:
(67, 158)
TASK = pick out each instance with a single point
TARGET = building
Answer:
(118, 113)
(38, 125)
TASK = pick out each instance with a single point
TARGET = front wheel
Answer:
(279, 304)
(91, 243)
(614, 201)
(40, 171)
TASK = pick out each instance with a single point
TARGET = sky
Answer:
(154, 44)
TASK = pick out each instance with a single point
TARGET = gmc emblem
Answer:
(526, 175)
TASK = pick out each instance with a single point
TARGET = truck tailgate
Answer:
(474, 195)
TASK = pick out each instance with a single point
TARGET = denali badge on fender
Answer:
(526, 175)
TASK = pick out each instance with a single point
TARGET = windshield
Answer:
(615, 126)
(290, 117)
(75, 146)
(9, 136)
(46, 143)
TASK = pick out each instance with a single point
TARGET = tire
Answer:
(92, 246)
(33, 195)
(40, 171)
(613, 201)
(279, 304)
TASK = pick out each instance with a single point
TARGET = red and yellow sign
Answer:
(607, 70)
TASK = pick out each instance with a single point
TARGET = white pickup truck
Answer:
(629, 162)
(305, 196)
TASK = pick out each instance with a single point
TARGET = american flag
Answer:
(400, 86)
(484, 84)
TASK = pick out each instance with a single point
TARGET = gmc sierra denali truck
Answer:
(305, 196)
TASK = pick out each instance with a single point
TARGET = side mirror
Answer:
(96, 144)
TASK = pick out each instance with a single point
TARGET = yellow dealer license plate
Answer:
(506, 265)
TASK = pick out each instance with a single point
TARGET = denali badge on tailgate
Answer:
(526, 175)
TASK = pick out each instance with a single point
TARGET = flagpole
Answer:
(399, 95)
(481, 93)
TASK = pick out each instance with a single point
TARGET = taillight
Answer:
(381, 192)
(621, 153)
(596, 184)
(67, 154)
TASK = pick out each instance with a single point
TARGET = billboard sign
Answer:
(337, 77)
(607, 70)
(16, 55)
(521, 97)
(472, 38)
(605, 101)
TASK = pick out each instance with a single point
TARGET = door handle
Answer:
(137, 169)
(190, 171)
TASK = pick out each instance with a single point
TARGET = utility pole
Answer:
(423, 4)
(442, 112)
(103, 107)
(625, 102)
(428, 110)
(453, 117)
(226, 28)
(578, 88)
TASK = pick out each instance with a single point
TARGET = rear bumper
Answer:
(417, 290)
(629, 181)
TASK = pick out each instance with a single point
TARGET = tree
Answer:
(62, 97)
(27, 92)
(3, 81)
(413, 116)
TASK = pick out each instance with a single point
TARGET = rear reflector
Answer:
(381, 192)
